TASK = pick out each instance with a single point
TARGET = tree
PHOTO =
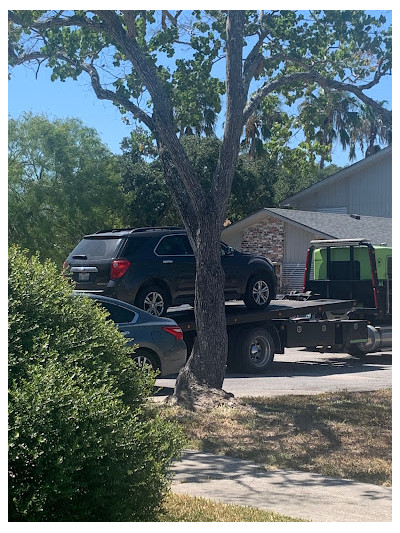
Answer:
(326, 117)
(370, 129)
(62, 184)
(125, 54)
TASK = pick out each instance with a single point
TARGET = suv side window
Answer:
(174, 245)
(134, 245)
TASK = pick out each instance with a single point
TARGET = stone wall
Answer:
(266, 239)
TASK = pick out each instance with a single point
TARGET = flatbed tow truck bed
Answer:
(237, 312)
(255, 336)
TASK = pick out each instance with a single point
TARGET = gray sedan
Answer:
(160, 340)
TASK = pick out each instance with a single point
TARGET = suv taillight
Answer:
(119, 267)
(175, 331)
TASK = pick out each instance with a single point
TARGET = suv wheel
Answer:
(153, 299)
(258, 291)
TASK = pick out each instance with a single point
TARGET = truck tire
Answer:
(356, 352)
(259, 291)
(255, 350)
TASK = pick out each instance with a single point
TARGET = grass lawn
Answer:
(342, 434)
(182, 508)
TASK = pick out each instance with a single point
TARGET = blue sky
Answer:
(76, 99)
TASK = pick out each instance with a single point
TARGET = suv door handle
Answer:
(167, 261)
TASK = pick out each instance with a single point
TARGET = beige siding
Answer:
(297, 241)
(367, 192)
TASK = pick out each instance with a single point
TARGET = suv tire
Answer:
(258, 291)
(153, 299)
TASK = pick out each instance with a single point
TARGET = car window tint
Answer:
(174, 245)
(96, 248)
(133, 245)
(119, 314)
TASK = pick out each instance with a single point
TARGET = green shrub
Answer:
(83, 446)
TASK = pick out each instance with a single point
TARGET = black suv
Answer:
(154, 268)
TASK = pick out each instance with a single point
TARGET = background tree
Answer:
(283, 52)
(371, 132)
(63, 183)
(328, 117)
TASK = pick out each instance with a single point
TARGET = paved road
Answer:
(300, 371)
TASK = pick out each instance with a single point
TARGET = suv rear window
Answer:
(97, 248)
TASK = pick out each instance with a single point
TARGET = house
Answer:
(283, 235)
(355, 202)
(364, 188)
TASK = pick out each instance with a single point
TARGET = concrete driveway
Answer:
(301, 371)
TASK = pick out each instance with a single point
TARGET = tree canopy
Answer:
(63, 183)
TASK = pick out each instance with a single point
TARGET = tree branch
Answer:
(314, 77)
(162, 114)
(57, 22)
(105, 94)
(130, 22)
(251, 62)
(235, 102)
(101, 93)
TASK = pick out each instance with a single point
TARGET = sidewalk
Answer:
(297, 494)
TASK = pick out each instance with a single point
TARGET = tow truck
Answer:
(344, 304)
(359, 270)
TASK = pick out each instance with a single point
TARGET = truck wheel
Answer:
(153, 299)
(355, 351)
(255, 351)
(258, 291)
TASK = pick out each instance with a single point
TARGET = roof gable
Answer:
(345, 172)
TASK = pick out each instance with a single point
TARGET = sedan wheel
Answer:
(144, 359)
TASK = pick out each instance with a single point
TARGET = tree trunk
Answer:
(205, 368)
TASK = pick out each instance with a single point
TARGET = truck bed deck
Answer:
(237, 312)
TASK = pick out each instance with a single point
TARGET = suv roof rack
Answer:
(138, 230)
(112, 230)
(155, 228)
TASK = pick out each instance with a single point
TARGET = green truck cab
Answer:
(357, 270)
